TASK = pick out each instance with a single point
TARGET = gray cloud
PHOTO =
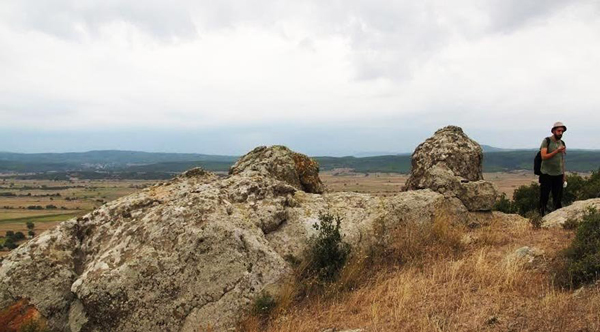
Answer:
(241, 67)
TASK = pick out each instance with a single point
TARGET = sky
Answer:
(322, 77)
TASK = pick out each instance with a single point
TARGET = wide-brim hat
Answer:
(558, 124)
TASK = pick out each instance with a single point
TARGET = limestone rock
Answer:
(193, 252)
(574, 211)
(453, 148)
(478, 195)
(451, 163)
(280, 162)
(525, 256)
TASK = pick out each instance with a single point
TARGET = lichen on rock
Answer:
(194, 251)
(451, 163)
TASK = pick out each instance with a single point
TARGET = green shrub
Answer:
(570, 223)
(263, 305)
(504, 204)
(581, 260)
(535, 219)
(526, 198)
(10, 244)
(326, 253)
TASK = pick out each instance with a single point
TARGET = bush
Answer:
(526, 198)
(580, 262)
(504, 204)
(30, 225)
(326, 253)
(19, 236)
(263, 305)
(10, 243)
(570, 224)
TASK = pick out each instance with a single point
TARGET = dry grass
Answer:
(445, 277)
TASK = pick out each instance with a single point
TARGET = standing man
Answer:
(553, 175)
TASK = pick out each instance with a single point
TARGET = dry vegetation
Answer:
(445, 277)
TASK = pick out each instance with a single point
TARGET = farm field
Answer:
(47, 203)
(382, 184)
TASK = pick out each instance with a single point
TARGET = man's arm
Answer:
(546, 155)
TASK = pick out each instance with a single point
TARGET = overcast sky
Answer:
(322, 77)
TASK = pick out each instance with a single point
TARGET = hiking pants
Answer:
(550, 183)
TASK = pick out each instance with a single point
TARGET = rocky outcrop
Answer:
(574, 212)
(451, 163)
(193, 252)
(296, 169)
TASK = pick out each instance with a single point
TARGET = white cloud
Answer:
(488, 65)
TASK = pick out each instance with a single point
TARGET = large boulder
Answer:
(280, 162)
(574, 211)
(193, 252)
(451, 163)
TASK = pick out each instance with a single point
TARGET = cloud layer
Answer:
(271, 70)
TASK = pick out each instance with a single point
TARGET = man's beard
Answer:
(558, 136)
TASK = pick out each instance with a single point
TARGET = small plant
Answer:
(503, 204)
(327, 253)
(580, 262)
(570, 224)
(535, 219)
(263, 305)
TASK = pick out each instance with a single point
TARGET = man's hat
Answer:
(558, 124)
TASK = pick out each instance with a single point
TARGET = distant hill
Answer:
(149, 165)
(487, 148)
(110, 158)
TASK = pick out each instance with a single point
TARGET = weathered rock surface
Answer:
(525, 256)
(193, 252)
(451, 163)
(574, 211)
(278, 161)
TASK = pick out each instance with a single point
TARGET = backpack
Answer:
(537, 161)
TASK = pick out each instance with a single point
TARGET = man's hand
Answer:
(562, 149)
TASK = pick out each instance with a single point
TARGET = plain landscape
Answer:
(48, 188)
(497, 272)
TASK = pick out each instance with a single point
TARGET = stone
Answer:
(574, 211)
(451, 164)
(193, 252)
(478, 195)
(449, 146)
(278, 161)
(525, 256)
